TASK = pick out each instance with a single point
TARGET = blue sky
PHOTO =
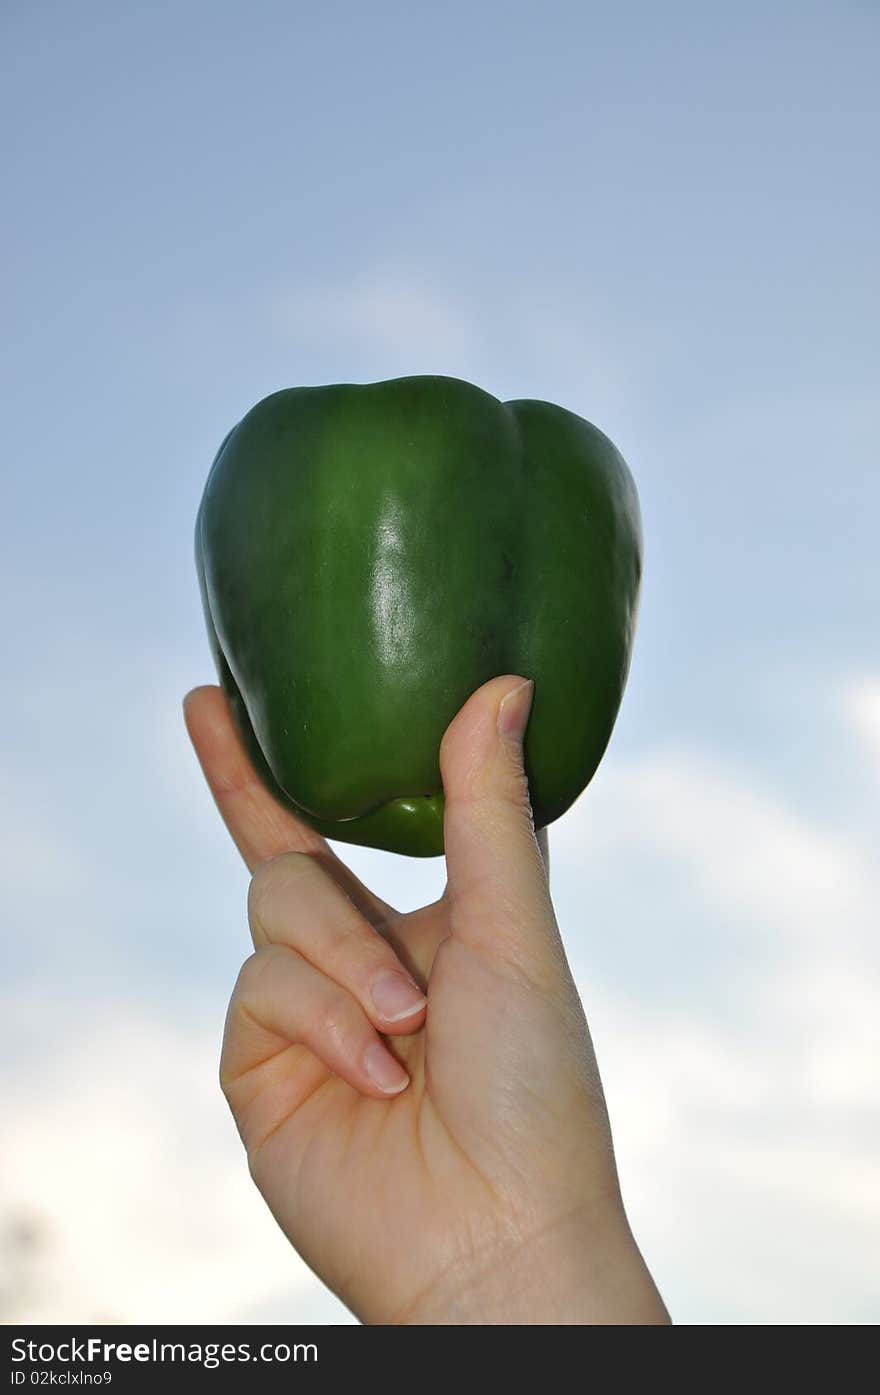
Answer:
(661, 217)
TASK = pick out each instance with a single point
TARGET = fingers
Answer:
(260, 827)
(280, 1000)
(497, 873)
(293, 902)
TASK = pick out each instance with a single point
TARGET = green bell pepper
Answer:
(368, 555)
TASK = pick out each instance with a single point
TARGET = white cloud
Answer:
(750, 1184)
(125, 1165)
(742, 847)
(861, 706)
(747, 1125)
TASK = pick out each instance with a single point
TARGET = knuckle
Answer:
(332, 1022)
(269, 882)
(350, 950)
(246, 975)
(250, 975)
(226, 1078)
(260, 891)
(513, 788)
(502, 784)
(447, 742)
(336, 950)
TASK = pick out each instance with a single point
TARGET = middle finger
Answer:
(292, 901)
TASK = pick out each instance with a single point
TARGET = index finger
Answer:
(260, 827)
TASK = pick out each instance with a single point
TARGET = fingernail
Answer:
(513, 714)
(384, 1071)
(396, 997)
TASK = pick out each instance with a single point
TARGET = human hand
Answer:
(447, 1161)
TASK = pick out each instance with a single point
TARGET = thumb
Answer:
(497, 883)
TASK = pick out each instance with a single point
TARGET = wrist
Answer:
(581, 1271)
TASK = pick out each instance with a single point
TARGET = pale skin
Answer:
(417, 1093)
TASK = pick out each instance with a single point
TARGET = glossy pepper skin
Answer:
(369, 554)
